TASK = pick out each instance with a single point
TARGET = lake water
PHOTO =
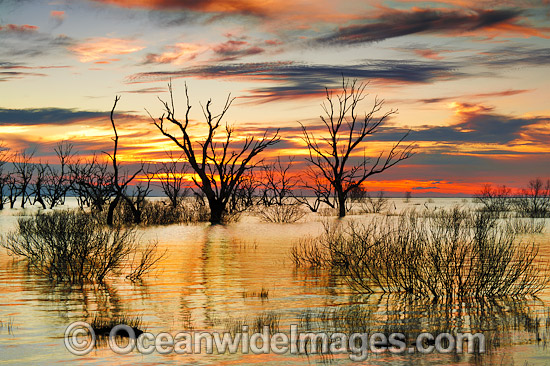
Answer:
(211, 277)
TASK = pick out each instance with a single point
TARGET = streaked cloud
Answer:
(154, 90)
(103, 48)
(479, 123)
(513, 55)
(38, 116)
(208, 6)
(503, 93)
(23, 29)
(235, 49)
(398, 23)
(176, 54)
(292, 79)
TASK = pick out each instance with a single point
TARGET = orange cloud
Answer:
(466, 109)
(294, 14)
(228, 6)
(513, 29)
(56, 14)
(102, 48)
(177, 54)
(426, 53)
(14, 28)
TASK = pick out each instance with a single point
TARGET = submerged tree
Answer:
(171, 176)
(219, 167)
(58, 180)
(120, 182)
(332, 156)
(534, 201)
(320, 187)
(494, 199)
(278, 183)
(24, 170)
(91, 183)
(39, 183)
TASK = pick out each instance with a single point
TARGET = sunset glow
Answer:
(469, 80)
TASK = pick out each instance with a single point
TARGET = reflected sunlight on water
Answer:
(211, 274)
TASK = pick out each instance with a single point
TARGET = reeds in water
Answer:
(443, 254)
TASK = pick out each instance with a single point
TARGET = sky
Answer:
(469, 79)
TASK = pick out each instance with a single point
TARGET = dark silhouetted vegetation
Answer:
(494, 199)
(102, 326)
(534, 201)
(443, 254)
(73, 246)
(172, 179)
(119, 183)
(220, 168)
(331, 158)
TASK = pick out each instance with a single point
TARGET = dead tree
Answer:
(320, 187)
(278, 183)
(24, 170)
(171, 176)
(4, 175)
(91, 183)
(135, 198)
(245, 192)
(219, 168)
(3, 185)
(119, 183)
(12, 189)
(332, 156)
(38, 186)
(58, 180)
(534, 201)
(494, 199)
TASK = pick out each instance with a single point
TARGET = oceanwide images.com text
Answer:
(80, 339)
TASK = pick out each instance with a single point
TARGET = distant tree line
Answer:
(532, 201)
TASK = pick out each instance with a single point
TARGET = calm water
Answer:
(208, 278)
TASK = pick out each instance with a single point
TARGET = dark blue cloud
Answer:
(511, 56)
(293, 79)
(41, 116)
(488, 128)
(401, 23)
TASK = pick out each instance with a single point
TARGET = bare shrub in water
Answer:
(528, 225)
(160, 213)
(451, 253)
(75, 247)
(534, 201)
(269, 319)
(285, 213)
(494, 199)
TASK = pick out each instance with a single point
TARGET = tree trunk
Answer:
(41, 201)
(341, 204)
(216, 212)
(137, 215)
(23, 196)
(136, 212)
(111, 211)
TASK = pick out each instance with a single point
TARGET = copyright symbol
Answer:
(79, 338)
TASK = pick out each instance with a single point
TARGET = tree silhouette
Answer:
(58, 180)
(171, 176)
(24, 170)
(218, 166)
(120, 182)
(331, 156)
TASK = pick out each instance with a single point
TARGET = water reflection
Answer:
(202, 280)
